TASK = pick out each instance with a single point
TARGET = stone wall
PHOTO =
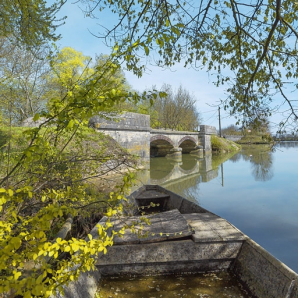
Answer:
(130, 130)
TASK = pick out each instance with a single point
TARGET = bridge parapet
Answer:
(126, 121)
(207, 130)
(172, 132)
(130, 130)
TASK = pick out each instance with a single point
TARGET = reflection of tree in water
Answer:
(262, 161)
(262, 166)
(236, 157)
(287, 145)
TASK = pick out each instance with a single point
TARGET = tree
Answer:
(174, 110)
(23, 85)
(252, 47)
(71, 70)
(44, 170)
(28, 22)
(231, 130)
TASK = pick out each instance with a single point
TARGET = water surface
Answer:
(256, 190)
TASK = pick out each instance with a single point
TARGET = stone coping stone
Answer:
(172, 132)
(209, 227)
(207, 129)
(163, 226)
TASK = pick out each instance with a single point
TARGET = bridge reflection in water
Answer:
(181, 177)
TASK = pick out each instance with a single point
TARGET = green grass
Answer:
(221, 145)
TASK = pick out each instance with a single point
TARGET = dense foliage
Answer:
(43, 183)
(28, 22)
(45, 177)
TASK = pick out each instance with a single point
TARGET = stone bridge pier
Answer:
(133, 132)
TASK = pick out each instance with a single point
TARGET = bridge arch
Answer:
(160, 145)
(188, 138)
(162, 137)
(188, 144)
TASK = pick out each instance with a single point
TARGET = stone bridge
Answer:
(133, 132)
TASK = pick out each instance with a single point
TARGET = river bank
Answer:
(222, 145)
(256, 139)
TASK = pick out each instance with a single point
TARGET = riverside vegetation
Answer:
(222, 145)
(43, 182)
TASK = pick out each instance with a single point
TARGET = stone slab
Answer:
(85, 287)
(209, 227)
(163, 226)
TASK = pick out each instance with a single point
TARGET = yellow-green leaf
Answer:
(36, 117)
(70, 124)
(16, 242)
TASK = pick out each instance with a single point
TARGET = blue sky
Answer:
(77, 33)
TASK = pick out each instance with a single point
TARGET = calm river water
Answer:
(256, 190)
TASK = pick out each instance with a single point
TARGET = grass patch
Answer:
(221, 145)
